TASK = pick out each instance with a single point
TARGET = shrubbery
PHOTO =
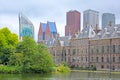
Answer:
(10, 69)
(63, 69)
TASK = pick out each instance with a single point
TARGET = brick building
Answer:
(89, 48)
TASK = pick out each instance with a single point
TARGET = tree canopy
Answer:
(34, 57)
(8, 42)
(27, 55)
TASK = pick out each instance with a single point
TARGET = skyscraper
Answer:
(108, 18)
(73, 22)
(26, 27)
(90, 17)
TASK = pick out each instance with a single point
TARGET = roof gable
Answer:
(43, 26)
(52, 26)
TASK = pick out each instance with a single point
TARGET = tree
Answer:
(16, 59)
(8, 43)
(28, 48)
(43, 60)
(36, 58)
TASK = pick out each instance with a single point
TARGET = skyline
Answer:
(53, 11)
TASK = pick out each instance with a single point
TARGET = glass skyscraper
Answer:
(108, 18)
(90, 18)
(26, 27)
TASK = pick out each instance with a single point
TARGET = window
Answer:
(53, 53)
(108, 66)
(107, 49)
(118, 48)
(68, 51)
(81, 58)
(92, 59)
(113, 59)
(107, 59)
(74, 51)
(102, 59)
(86, 59)
(97, 51)
(102, 66)
(92, 51)
(113, 48)
(96, 59)
(102, 49)
(73, 60)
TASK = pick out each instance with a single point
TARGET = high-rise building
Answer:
(90, 18)
(73, 23)
(26, 27)
(108, 18)
(47, 31)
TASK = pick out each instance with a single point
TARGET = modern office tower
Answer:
(73, 23)
(26, 27)
(47, 31)
(108, 18)
(90, 17)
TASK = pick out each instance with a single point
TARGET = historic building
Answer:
(99, 48)
(26, 27)
(47, 31)
(73, 22)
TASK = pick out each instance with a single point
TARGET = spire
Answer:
(96, 29)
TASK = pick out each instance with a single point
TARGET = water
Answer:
(58, 76)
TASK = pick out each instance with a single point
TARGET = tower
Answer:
(90, 18)
(108, 18)
(26, 27)
(72, 22)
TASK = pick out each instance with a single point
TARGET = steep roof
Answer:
(44, 26)
(87, 32)
(52, 26)
(109, 32)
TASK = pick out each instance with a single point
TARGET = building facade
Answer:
(108, 18)
(88, 49)
(73, 23)
(90, 17)
(26, 27)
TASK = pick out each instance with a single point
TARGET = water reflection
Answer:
(68, 76)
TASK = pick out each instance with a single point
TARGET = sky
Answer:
(52, 10)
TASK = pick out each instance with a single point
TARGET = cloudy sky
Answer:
(51, 10)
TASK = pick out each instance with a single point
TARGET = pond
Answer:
(58, 76)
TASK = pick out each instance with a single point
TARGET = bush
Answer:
(63, 69)
(10, 69)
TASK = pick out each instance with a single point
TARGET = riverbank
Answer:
(112, 72)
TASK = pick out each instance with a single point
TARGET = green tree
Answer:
(16, 59)
(36, 58)
(28, 47)
(2, 41)
(8, 43)
(43, 61)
